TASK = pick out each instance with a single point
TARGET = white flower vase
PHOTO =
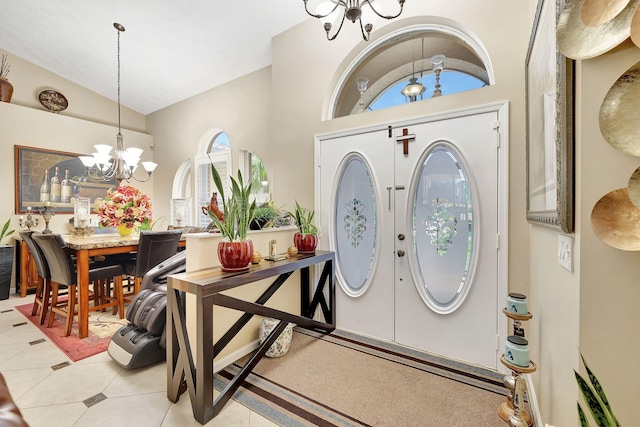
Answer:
(281, 346)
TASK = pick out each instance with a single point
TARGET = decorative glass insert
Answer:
(443, 228)
(354, 225)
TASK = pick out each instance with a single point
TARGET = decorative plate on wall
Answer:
(616, 221)
(579, 41)
(619, 113)
(53, 101)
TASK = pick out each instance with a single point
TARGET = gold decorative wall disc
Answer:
(635, 28)
(597, 12)
(620, 113)
(578, 41)
(616, 221)
(633, 188)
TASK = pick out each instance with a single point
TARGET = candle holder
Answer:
(81, 209)
(180, 213)
(29, 221)
(47, 211)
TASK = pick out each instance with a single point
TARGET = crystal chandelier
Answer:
(101, 165)
(329, 12)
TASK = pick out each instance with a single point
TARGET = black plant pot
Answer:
(6, 267)
(258, 223)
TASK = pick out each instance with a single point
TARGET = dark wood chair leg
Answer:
(54, 302)
(71, 309)
(46, 298)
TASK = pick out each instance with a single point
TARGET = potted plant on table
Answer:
(235, 250)
(265, 216)
(306, 239)
(6, 261)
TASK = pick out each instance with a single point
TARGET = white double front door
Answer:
(414, 221)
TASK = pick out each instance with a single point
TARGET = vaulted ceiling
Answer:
(170, 51)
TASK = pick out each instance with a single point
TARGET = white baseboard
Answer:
(219, 365)
(536, 418)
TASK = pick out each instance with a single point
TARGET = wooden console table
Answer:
(207, 286)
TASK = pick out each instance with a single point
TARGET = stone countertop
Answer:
(95, 241)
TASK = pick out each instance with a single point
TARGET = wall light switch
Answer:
(565, 251)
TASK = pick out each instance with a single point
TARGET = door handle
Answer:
(400, 253)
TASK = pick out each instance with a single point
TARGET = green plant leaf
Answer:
(598, 410)
(599, 390)
(304, 220)
(238, 213)
(5, 230)
(584, 422)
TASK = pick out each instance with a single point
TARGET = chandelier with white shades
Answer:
(101, 165)
(330, 12)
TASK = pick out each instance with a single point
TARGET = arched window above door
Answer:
(407, 58)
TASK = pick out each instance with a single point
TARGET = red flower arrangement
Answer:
(127, 206)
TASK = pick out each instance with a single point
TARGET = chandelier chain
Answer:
(119, 131)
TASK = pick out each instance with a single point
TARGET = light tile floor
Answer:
(66, 396)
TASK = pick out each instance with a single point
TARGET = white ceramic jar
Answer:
(516, 351)
(517, 303)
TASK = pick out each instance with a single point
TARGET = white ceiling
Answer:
(170, 51)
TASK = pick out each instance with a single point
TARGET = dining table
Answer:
(86, 247)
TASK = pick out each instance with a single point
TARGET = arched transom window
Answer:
(411, 67)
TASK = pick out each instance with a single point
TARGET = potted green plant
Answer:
(235, 250)
(265, 214)
(6, 261)
(596, 399)
(306, 239)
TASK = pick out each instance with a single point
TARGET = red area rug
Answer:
(102, 326)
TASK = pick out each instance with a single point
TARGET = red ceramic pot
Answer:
(235, 256)
(306, 244)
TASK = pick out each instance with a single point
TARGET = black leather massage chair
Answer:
(142, 341)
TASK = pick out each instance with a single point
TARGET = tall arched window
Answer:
(218, 151)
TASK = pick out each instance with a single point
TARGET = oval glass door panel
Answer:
(355, 225)
(443, 229)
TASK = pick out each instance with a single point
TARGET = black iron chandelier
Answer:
(329, 12)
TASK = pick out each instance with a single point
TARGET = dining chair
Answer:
(153, 248)
(43, 289)
(63, 273)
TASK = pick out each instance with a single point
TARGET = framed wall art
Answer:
(549, 123)
(34, 166)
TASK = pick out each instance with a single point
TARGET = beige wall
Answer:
(608, 276)
(29, 80)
